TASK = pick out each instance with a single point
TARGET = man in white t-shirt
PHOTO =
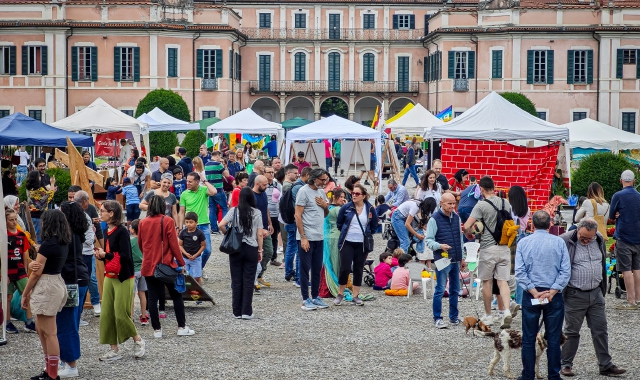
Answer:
(22, 170)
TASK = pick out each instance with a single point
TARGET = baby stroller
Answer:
(389, 234)
(369, 278)
(615, 275)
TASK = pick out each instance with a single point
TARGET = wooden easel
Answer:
(351, 160)
(292, 153)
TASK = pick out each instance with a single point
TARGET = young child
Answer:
(132, 197)
(139, 283)
(179, 183)
(381, 210)
(401, 276)
(395, 255)
(192, 244)
(382, 272)
(112, 188)
(16, 268)
(472, 180)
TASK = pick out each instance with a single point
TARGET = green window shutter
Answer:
(74, 63)
(619, 54)
(412, 21)
(426, 24)
(471, 68)
(368, 67)
(549, 66)
(239, 67)
(117, 51)
(136, 64)
(200, 63)
(452, 64)
(25, 60)
(395, 21)
(589, 66)
(299, 67)
(218, 63)
(529, 66)
(439, 68)
(94, 63)
(172, 62)
(231, 64)
(44, 56)
(638, 64)
(425, 66)
(496, 64)
(12, 60)
(570, 63)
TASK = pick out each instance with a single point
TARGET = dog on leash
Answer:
(509, 339)
(474, 324)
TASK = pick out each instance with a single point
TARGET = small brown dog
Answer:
(472, 323)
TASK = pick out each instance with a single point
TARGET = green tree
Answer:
(334, 106)
(192, 141)
(63, 182)
(163, 143)
(521, 101)
(604, 168)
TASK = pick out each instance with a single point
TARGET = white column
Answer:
(387, 23)
(316, 56)
(49, 81)
(352, 61)
(283, 54)
(615, 86)
(283, 17)
(515, 65)
(60, 98)
(153, 61)
(385, 73)
(352, 16)
(605, 72)
(318, 17)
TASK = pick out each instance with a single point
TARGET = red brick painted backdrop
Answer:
(508, 165)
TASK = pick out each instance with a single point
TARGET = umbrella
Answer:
(295, 123)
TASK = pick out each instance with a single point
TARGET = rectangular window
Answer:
(368, 67)
(456, 114)
(300, 67)
(579, 116)
(35, 114)
(84, 63)
(172, 62)
(629, 122)
(368, 21)
(496, 64)
(404, 21)
(126, 63)
(209, 64)
(128, 112)
(265, 20)
(4, 113)
(580, 66)
(461, 65)
(8, 60)
(35, 60)
(300, 21)
(542, 115)
(208, 114)
(540, 66)
(629, 56)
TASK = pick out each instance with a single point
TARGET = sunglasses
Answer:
(356, 194)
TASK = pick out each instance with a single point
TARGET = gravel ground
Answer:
(390, 337)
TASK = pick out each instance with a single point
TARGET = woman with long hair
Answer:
(241, 180)
(519, 206)
(595, 196)
(250, 155)
(116, 323)
(171, 209)
(158, 240)
(331, 253)
(429, 187)
(240, 160)
(356, 220)
(198, 167)
(458, 182)
(8, 183)
(46, 292)
(248, 219)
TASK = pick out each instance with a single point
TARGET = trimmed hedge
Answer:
(604, 168)
(192, 141)
(168, 101)
(162, 143)
(521, 101)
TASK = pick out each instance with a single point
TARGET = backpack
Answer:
(287, 206)
(502, 224)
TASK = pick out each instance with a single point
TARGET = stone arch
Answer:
(397, 105)
(365, 109)
(267, 108)
(299, 106)
(332, 105)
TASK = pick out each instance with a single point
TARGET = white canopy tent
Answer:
(249, 122)
(100, 117)
(495, 118)
(589, 133)
(415, 122)
(334, 127)
(157, 121)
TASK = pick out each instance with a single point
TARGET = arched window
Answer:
(368, 67)
(300, 67)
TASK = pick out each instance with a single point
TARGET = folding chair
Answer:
(415, 275)
(472, 249)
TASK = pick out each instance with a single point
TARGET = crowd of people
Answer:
(323, 231)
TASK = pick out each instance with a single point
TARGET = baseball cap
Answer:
(301, 154)
(126, 180)
(627, 176)
(182, 151)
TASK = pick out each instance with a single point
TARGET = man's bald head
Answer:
(258, 166)
(260, 184)
(447, 203)
(447, 197)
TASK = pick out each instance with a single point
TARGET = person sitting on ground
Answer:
(401, 276)
(382, 272)
(395, 255)
(192, 244)
(139, 282)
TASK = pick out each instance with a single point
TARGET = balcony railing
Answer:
(343, 34)
(461, 85)
(332, 86)
(209, 84)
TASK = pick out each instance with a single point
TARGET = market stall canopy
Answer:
(158, 121)
(245, 121)
(296, 122)
(100, 117)
(414, 122)
(205, 123)
(19, 129)
(589, 133)
(496, 119)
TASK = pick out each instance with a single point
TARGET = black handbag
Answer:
(232, 241)
(164, 272)
(73, 290)
(367, 242)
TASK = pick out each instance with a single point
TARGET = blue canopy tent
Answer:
(19, 129)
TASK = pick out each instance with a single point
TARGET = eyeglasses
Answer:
(268, 172)
(356, 194)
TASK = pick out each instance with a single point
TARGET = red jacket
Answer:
(150, 243)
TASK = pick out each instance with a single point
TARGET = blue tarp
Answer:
(19, 129)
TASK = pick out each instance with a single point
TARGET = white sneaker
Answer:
(487, 320)
(67, 372)
(97, 309)
(157, 334)
(439, 324)
(186, 331)
(84, 323)
(111, 355)
(279, 250)
(139, 348)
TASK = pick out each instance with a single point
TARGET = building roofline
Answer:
(529, 29)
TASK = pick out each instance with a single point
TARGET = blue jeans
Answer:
(452, 273)
(207, 237)
(519, 294)
(90, 262)
(21, 174)
(291, 253)
(553, 317)
(219, 199)
(397, 222)
(133, 212)
(68, 325)
(310, 260)
(410, 170)
(36, 226)
(328, 161)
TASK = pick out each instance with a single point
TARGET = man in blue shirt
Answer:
(410, 164)
(543, 270)
(398, 194)
(233, 166)
(625, 205)
(272, 147)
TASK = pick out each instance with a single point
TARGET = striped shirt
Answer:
(213, 171)
(586, 269)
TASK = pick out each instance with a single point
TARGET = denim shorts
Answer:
(194, 267)
(139, 283)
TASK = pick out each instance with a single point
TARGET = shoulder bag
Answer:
(367, 242)
(73, 291)
(232, 241)
(602, 224)
(164, 272)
